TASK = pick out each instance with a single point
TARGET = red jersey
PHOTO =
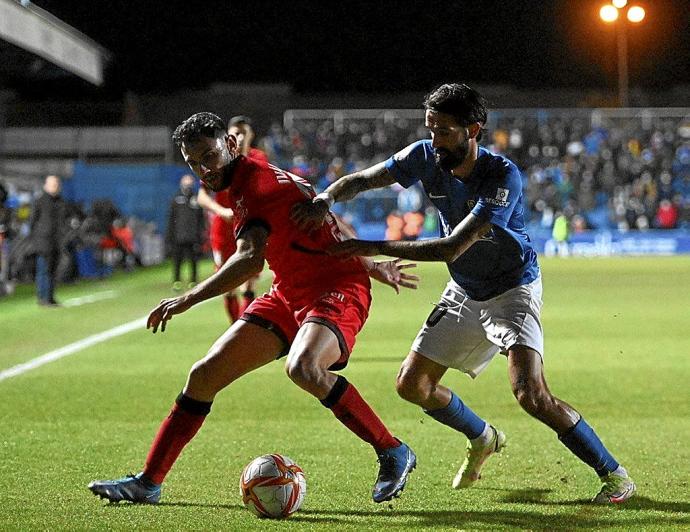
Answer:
(221, 232)
(264, 194)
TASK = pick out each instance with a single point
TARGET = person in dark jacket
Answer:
(186, 230)
(48, 219)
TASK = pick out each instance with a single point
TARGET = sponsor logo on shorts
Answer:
(332, 297)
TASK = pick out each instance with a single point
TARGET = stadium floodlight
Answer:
(608, 13)
(636, 14)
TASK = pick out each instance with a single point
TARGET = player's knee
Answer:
(411, 388)
(533, 399)
(301, 370)
(200, 376)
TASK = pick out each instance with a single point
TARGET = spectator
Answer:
(48, 226)
(560, 234)
(186, 228)
(414, 224)
(666, 215)
(394, 226)
(5, 236)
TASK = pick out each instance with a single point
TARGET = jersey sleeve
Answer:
(410, 164)
(266, 212)
(499, 196)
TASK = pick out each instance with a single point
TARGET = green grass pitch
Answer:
(616, 348)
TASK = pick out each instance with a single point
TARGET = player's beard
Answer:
(447, 160)
(222, 180)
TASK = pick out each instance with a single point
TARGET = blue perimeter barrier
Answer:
(141, 190)
(145, 191)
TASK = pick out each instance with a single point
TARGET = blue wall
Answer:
(141, 190)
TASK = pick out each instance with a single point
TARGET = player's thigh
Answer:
(452, 335)
(526, 370)
(513, 318)
(244, 347)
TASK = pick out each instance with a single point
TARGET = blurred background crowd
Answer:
(583, 170)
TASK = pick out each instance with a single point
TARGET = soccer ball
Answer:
(273, 486)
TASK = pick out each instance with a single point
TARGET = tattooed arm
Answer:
(311, 214)
(446, 249)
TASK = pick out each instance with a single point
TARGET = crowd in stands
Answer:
(601, 170)
(588, 169)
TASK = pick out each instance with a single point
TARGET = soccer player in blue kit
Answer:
(492, 302)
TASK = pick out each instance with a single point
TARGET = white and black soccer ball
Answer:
(273, 486)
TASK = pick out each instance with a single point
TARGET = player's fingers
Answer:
(407, 265)
(409, 277)
(412, 286)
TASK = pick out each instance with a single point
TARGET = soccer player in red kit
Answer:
(221, 233)
(312, 313)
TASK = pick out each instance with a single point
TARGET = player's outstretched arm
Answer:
(207, 202)
(446, 249)
(246, 262)
(390, 272)
(311, 214)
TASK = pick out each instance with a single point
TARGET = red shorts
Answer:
(223, 242)
(343, 308)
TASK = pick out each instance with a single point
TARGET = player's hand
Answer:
(164, 312)
(390, 272)
(309, 215)
(226, 214)
(353, 248)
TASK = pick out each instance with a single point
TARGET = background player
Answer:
(493, 300)
(313, 312)
(221, 233)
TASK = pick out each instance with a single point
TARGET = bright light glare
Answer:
(636, 14)
(620, 4)
(608, 13)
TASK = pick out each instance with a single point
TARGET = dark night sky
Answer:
(375, 46)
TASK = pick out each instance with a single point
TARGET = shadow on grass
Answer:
(179, 504)
(585, 517)
(638, 502)
(186, 504)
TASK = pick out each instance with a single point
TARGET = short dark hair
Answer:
(239, 119)
(197, 126)
(463, 103)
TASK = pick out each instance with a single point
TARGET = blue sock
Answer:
(586, 445)
(459, 417)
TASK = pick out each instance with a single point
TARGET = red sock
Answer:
(232, 307)
(174, 433)
(353, 412)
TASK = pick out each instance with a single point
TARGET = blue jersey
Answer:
(505, 257)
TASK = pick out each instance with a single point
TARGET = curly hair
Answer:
(463, 103)
(197, 126)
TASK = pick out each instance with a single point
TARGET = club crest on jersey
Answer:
(470, 204)
(240, 210)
